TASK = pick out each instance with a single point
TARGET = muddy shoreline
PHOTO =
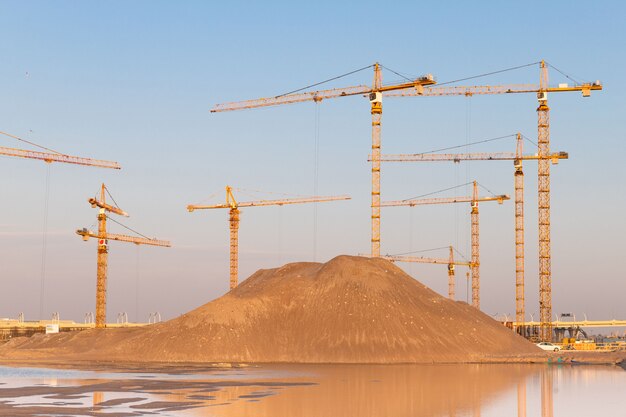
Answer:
(181, 368)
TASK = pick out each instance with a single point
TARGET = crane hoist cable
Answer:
(531, 141)
(44, 244)
(457, 207)
(258, 194)
(397, 73)
(564, 74)
(488, 73)
(410, 209)
(137, 283)
(478, 142)
(437, 192)
(316, 171)
(127, 228)
(280, 235)
(460, 254)
(485, 188)
(468, 166)
(30, 143)
(325, 81)
(420, 251)
(110, 195)
(470, 143)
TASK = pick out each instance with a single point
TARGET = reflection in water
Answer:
(98, 397)
(344, 390)
(521, 399)
(392, 390)
(547, 403)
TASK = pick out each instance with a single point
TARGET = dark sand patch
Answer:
(16, 401)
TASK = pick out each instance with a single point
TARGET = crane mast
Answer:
(376, 101)
(451, 280)
(519, 238)
(233, 219)
(102, 264)
(545, 269)
(475, 249)
(103, 250)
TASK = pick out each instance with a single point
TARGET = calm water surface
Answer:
(320, 391)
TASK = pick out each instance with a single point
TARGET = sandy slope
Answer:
(350, 310)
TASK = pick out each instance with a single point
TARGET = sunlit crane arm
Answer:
(321, 95)
(493, 89)
(192, 207)
(292, 98)
(423, 260)
(463, 199)
(86, 234)
(457, 157)
(57, 157)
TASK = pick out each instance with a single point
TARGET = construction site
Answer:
(245, 324)
(311, 209)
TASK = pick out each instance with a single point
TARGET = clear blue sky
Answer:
(134, 81)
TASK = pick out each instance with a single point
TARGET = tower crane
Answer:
(103, 249)
(424, 260)
(517, 159)
(543, 128)
(233, 205)
(474, 199)
(50, 157)
(375, 94)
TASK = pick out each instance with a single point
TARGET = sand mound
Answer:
(350, 310)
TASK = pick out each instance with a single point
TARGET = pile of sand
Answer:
(348, 310)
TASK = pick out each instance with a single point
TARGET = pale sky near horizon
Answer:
(134, 81)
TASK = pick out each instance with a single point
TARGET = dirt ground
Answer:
(348, 310)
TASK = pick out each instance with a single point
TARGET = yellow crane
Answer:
(419, 88)
(375, 95)
(517, 158)
(103, 249)
(474, 199)
(543, 128)
(50, 157)
(233, 205)
(451, 262)
(53, 156)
